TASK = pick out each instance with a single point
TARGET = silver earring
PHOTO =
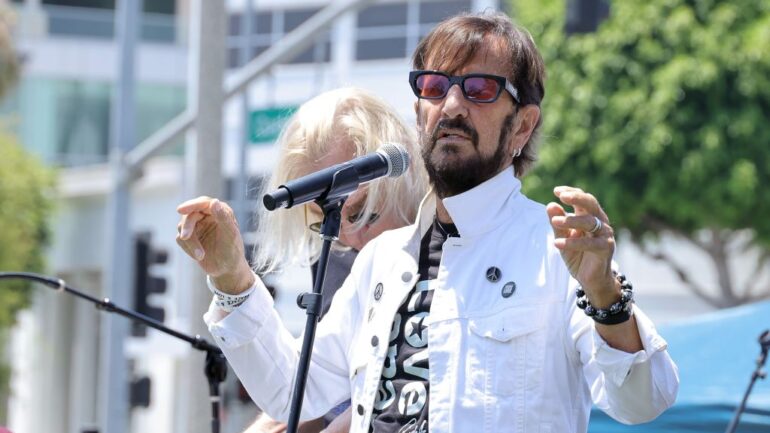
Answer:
(516, 153)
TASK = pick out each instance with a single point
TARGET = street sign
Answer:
(265, 125)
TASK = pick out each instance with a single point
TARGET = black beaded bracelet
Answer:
(618, 312)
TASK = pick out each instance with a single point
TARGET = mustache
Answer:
(458, 124)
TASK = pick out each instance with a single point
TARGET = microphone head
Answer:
(397, 157)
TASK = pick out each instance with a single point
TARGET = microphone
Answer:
(339, 180)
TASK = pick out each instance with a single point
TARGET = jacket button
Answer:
(360, 410)
(375, 341)
(406, 277)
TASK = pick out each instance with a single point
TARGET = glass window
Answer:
(295, 17)
(154, 6)
(167, 7)
(82, 122)
(262, 23)
(390, 48)
(67, 122)
(320, 52)
(233, 57)
(234, 24)
(383, 15)
(266, 26)
(95, 23)
(99, 22)
(259, 49)
(100, 4)
(434, 12)
(158, 28)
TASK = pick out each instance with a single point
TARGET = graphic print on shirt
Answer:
(402, 400)
(403, 392)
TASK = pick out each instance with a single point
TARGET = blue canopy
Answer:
(716, 354)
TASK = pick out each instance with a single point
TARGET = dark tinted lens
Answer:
(315, 227)
(481, 88)
(432, 85)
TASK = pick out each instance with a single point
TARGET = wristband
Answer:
(226, 301)
(618, 312)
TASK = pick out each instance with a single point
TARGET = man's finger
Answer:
(221, 211)
(198, 204)
(192, 247)
(581, 201)
(188, 224)
(585, 244)
(555, 211)
(584, 223)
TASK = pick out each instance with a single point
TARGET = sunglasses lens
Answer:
(432, 85)
(481, 88)
(315, 227)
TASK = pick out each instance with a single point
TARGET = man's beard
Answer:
(452, 178)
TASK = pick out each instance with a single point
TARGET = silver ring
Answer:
(597, 225)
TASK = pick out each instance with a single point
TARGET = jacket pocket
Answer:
(510, 348)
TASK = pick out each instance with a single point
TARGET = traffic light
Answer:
(139, 392)
(146, 280)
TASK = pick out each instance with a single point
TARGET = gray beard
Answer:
(449, 179)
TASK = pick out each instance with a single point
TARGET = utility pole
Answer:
(241, 184)
(113, 377)
(203, 176)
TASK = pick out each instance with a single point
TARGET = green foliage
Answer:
(661, 113)
(25, 205)
(9, 66)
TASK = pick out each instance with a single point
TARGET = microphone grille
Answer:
(397, 157)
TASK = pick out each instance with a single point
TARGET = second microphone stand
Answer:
(216, 364)
(312, 302)
(759, 373)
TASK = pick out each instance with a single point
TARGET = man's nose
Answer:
(455, 103)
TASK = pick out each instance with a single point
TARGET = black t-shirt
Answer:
(401, 404)
(338, 268)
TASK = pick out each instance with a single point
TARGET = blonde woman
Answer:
(331, 128)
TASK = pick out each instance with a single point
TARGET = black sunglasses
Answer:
(476, 87)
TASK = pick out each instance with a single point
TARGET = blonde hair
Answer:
(366, 121)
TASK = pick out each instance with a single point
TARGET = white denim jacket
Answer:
(501, 360)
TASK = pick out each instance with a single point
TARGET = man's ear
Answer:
(525, 124)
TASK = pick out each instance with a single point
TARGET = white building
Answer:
(63, 107)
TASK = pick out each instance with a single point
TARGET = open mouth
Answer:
(453, 134)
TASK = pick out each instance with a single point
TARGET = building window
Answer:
(435, 12)
(381, 48)
(96, 19)
(67, 122)
(267, 28)
(393, 14)
(392, 30)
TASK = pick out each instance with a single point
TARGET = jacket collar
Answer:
(483, 207)
(473, 212)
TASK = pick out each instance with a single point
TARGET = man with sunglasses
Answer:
(492, 313)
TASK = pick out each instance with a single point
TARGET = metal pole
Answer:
(240, 188)
(113, 380)
(203, 176)
(290, 45)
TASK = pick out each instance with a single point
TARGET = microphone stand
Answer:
(764, 342)
(216, 364)
(312, 302)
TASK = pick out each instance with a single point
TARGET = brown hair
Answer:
(454, 43)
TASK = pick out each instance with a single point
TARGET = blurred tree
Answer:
(8, 59)
(25, 196)
(25, 203)
(663, 113)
